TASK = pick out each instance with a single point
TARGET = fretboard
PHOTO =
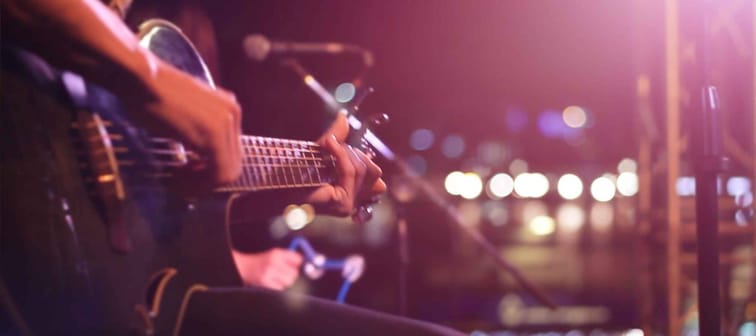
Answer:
(269, 163)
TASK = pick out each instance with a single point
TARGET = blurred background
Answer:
(559, 129)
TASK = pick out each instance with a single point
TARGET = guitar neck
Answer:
(270, 163)
(267, 163)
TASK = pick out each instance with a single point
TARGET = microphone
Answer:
(258, 48)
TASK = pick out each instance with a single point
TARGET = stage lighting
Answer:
(500, 186)
(345, 92)
(542, 225)
(627, 184)
(627, 165)
(602, 216)
(603, 189)
(532, 185)
(297, 217)
(421, 139)
(453, 146)
(570, 186)
(472, 186)
(738, 185)
(574, 116)
(570, 218)
(453, 182)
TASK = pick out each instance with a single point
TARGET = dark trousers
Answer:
(257, 311)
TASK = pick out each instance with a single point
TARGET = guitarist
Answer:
(46, 283)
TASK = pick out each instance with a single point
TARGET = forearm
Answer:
(82, 36)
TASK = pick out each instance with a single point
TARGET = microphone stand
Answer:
(437, 198)
(708, 163)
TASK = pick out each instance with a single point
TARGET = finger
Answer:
(372, 175)
(339, 128)
(360, 169)
(292, 258)
(341, 197)
(228, 151)
(224, 162)
(287, 257)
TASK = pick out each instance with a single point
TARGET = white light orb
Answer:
(627, 184)
(531, 185)
(570, 186)
(574, 116)
(603, 189)
(454, 182)
(500, 185)
(738, 185)
(472, 186)
(296, 217)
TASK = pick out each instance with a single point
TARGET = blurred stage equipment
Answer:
(258, 48)
(438, 198)
(708, 163)
(316, 264)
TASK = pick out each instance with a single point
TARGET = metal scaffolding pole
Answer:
(672, 79)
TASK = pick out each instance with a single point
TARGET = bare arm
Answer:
(86, 37)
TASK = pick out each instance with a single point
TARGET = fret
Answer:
(254, 160)
(245, 157)
(299, 161)
(290, 160)
(276, 180)
(282, 160)
(317, 171)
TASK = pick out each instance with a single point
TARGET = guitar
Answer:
(162, 247)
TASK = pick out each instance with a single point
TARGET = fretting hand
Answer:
(358, 177)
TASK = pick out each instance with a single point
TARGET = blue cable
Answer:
(329, 264)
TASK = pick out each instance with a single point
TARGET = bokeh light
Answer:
(345, 92)
(517, 167)
(574, 116)
(542, 225)
(454, 182)
(492, 153)
(496, 213)
(297, 217)
(603, 189)
(472, 186)
(516, 120)
(602, 216)
(570, 218)
(418, 164)
(570, 186)
(532, 209)
(532, 185)
(500, 185)
(627, 183)
(738, 185)
(551, 125)
(421, 139)
(627, 165)
(453, 146)
(686, 186)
